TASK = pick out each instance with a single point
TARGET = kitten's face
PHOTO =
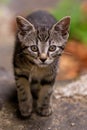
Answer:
(43, 45)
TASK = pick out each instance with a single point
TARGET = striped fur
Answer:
(40, 40)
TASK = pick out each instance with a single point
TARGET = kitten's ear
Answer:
(62, 26)
(24, 25)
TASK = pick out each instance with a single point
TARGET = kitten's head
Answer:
(42, 44)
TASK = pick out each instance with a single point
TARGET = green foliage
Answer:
(4, 1)
(78, 27)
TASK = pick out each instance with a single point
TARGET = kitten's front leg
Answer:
(44, 103)
(24, 95)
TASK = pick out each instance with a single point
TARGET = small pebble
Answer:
(72, 124)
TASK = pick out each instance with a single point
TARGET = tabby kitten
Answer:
(40, 41)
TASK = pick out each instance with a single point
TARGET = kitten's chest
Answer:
(39, 73)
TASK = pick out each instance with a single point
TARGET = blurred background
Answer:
(73, 62)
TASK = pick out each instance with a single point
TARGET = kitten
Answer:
(40, 41)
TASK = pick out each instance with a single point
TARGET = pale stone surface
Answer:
(74, 87)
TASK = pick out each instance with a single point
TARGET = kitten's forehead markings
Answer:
(43, 34)
(43, 47)
(36, 41)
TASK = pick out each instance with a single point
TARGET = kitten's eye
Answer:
(52, 48)
(34, 48)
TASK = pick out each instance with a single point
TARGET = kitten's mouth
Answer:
(43, 64)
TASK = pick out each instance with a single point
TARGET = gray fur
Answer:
(40, 40)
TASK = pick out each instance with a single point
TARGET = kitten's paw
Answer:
(25, 109)
(44, 111)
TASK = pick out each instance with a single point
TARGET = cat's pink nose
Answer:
(43, 57)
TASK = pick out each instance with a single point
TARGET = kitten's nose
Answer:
(43, 57)
(43, 60)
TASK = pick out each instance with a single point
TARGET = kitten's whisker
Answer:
(22, 53)
(68, 53)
